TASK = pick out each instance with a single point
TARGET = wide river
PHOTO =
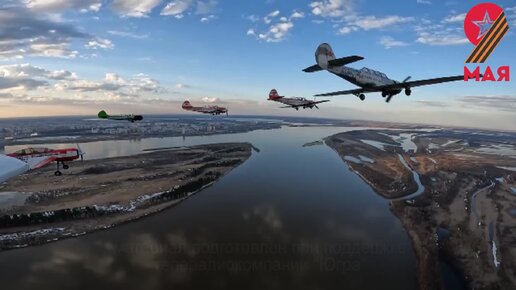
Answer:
(290, 217)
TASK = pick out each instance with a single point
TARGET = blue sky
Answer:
(61, 57)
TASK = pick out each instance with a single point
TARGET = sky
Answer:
(76, 57)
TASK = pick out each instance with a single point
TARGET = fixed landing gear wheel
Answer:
(389, 98)
(65, 166)
(57, 173)
(384, 94)
(362, 97)
(408, 92)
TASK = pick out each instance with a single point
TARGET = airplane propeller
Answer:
(80, 152)
(389, 97)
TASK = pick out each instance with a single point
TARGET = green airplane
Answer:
(131, 118)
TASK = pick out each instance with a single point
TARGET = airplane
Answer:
(131, 118)
(295, 103)
(368, 80)
(39, 157)
(214, 110)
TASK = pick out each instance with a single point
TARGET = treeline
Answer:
(86, 212)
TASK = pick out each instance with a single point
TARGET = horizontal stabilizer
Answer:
(313, 68)
(344, 60)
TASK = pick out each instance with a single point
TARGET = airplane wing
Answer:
(344, 60)
(11, 167)
(348, 92)
(395, 86)
(418, 83)
(313, 68)
(38, 162)
(318, 102)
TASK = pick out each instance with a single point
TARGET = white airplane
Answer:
(295, 103)
(367, 79)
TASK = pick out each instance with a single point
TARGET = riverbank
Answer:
(463, 191)
(99, 194)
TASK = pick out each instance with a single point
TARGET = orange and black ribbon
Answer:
(488, 43)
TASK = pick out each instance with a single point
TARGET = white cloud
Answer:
(279, 26)
(179, 8)
(268, 19)
(277, 32)
(423, 2)
(345, 30)
(499, 103)
(206, 7)
(26, 33)
(23, 77)
(176, 7)
(441, 33)
(210, 100)
(61, 5)
(389, 42)
(331, 8)
(208, 18)
(127, 34)
(134, 8)
(253, 18)
(181, 86)
(455, 18)
(100, 43)
(440, 39)
(373, 22)
(274, 13)
(297, 14)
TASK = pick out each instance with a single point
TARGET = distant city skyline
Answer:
(76, 57)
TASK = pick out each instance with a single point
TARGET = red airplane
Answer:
(39, 157)
(214, 110)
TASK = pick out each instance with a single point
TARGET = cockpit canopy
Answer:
(374, 72)
(29, 151)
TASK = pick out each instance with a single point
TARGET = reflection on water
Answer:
(290, 217)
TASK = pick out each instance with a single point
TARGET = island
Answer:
(454, 192)
(99, 194)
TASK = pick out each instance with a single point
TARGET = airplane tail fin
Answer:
(273, 95)
(187, 106)
(325, 58)
(323, 55)
(103, 115)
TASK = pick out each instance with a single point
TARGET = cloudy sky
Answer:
(67, 57)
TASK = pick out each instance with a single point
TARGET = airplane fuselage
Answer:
(298, 102)
(364, 77)
(213, 110)
(295, 103)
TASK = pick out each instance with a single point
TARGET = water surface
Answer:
(291, 217)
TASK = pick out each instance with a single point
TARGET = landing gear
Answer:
(297, 109)
(384, 94)
(389, 97)
(408, 92)
(58, 172)
(361, 97)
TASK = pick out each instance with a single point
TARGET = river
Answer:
(290, 217)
